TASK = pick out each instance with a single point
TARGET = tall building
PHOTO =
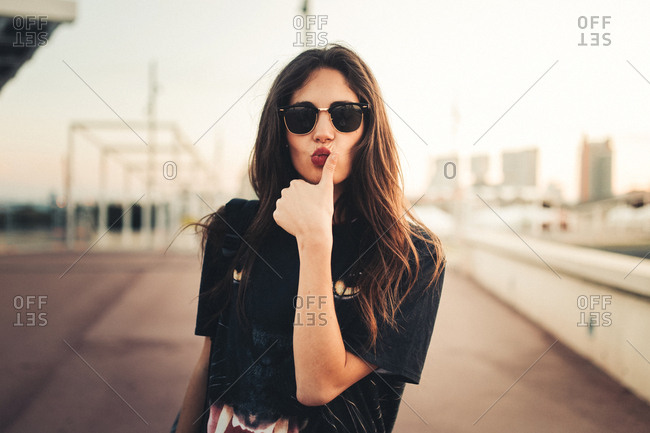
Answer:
(445, 178)
(520, 167)
(596, 170)
(480, 165)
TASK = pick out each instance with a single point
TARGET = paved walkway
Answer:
(118, 347)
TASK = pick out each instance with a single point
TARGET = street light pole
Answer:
(148, 207)
(70, 218)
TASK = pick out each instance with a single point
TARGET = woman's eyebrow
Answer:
(334, 102)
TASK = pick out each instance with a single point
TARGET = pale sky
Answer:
(480, 57)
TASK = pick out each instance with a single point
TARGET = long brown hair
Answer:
(374, 192)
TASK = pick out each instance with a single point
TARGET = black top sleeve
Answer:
(224, 238)
(210, 272)
(205, 317)
(402, 350)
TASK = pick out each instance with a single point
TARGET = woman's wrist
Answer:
(315, 242)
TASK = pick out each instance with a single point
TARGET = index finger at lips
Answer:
(327, 176)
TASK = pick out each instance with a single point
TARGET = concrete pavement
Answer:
(118, 347)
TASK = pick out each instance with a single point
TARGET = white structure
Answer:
(520, 168)
(165, 177)
(597, 303)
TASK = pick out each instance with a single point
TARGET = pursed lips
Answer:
(319, 156)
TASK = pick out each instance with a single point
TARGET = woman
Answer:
(318, 300)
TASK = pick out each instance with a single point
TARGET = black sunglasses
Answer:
(301, 119)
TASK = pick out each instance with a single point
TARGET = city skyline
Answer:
(539, 89)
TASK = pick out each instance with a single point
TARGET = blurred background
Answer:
(524, 143)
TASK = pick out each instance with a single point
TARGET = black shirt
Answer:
(251, 384)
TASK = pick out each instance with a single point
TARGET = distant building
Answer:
(480, 166)
(445, 177)
(595, 170)
(520, 168)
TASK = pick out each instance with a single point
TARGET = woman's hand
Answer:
(305, 210)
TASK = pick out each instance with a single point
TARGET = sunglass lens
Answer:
(300, 120)
(347, 118)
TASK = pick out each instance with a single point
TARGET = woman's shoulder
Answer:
(239, 213)
(232, 216)
(431, 255)
(424, 239)
(238, 205)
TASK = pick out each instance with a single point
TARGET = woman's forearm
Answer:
(194, 400)
(319, 352)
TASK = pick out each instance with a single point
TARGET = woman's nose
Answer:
(324, 130)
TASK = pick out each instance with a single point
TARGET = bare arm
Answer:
(192, 407)
(323, 367)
